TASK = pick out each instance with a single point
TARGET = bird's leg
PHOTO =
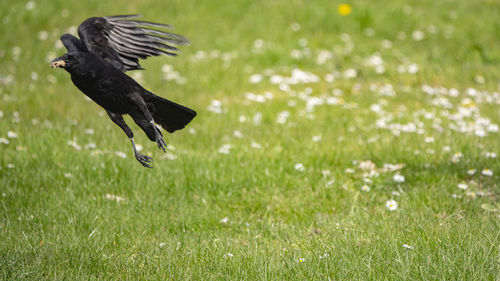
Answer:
(143, 159)
(137, 99)
(118, 120)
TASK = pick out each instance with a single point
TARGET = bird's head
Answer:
(68, 61)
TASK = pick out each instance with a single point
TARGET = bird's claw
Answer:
(161, 143)
(144, 160)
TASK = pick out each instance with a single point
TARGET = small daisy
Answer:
(490, 155)
(112, 197)
(11, 134)
(487, 172)
(326, 173)
(407, 246)
(398, 178)
(238, 134)
(228, 255)
(365, 188)
(302, 260)
(255, 145)
(121, 154)
(300, 167)
(224, 220)
(225, 149)
(316, 138)
(471, 172)
(391, 205)
(4, 141)
(463, 186)
(471, 194)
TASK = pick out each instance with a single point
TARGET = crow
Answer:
(109, 46)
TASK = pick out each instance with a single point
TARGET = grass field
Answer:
(326, 147)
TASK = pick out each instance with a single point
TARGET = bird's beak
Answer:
(58, 64)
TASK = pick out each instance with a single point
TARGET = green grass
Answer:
(250, 214)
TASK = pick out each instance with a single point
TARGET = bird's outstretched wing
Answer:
(122, 40)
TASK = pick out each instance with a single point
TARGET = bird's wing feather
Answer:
(122, 41)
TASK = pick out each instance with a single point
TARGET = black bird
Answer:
(109, 46)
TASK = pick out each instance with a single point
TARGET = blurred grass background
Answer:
(253, 214)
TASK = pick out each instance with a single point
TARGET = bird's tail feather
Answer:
(170, 115)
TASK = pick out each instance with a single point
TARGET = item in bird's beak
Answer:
(57, 64)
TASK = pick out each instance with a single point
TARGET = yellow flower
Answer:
(344, 9)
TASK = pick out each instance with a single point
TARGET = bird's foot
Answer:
(161, 142)
(144, 159)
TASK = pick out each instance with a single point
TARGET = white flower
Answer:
(398, 178)
(407, 246)
(30, 5)
(316, 138)
(89, 131)
(350, 73)
(43, 35)
(429, 139)
(391, 205)
(456, 157)
(487, 172)
(170, 156)
(68, 175)
(490, 155)
(215, 107)
(257, 118)
(225, 149)
(4, 141)
(492, 128)
(471, 194)
(238, 134)
(412, 68)
(10, 166)
(471, 172)
(120, 154)
(224, 220)
(295, 26)
(228, 255)
(11, 134)
(282, 117)
(74, 144)
(255, 145)
(116, 198)
(417, 35)
(300, 167)
(90, 146)
(463, 186)
(349, 171)
(365, 188)
(256, 78)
